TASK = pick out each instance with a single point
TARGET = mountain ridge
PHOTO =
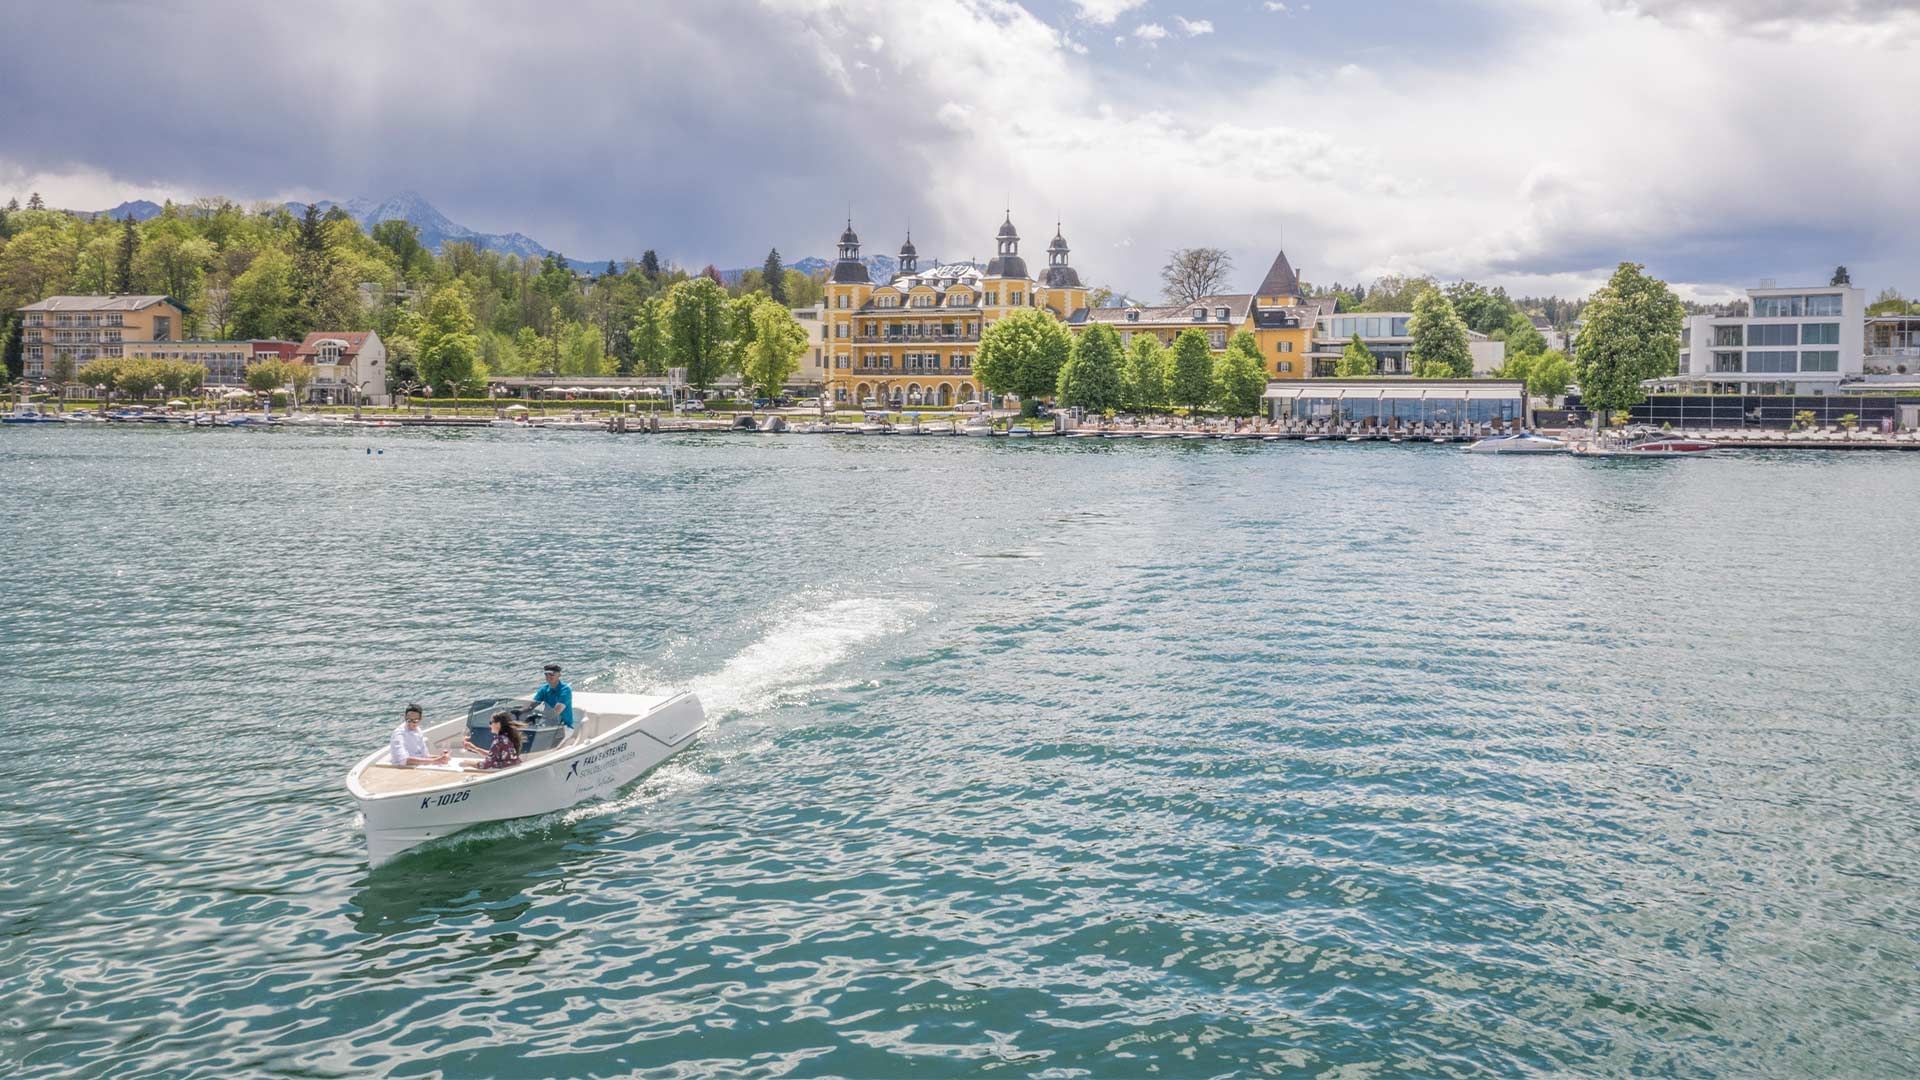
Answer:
(437, 230)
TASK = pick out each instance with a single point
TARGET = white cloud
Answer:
(1370, 167)
(1276, 5)
(1193, 27)
(1104, 12)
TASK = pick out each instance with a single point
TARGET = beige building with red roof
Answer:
(349, 367)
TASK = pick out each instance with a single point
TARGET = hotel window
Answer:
(1773, 334)
(1820, 360)
(1217, 339)
(1013, 299)
(1126, 338)
(1199, 314)
(1771, 362)
(1726, 361)
(1820, 333)
(1283, 367)
(1825, 304)
(1285, 347)
(1220, 313)
(1724, 336)
(993, 299)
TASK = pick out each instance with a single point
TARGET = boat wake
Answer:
(791, 662)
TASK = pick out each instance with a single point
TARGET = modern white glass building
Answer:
(1792, 341)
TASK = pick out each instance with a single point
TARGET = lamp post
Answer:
(359, 398)
(106, 397)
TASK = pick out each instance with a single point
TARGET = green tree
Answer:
(778, 342)
(1484, 310)
(1889, 302)
(124, 255)
(1632, 333)
(775, 276)
(448, 347)
(105, 371)
(402, 240)
(1091, 378)
(1394, 292)
(1145, 384)
(1190, 380)
(1549, 374)
(648, 338)
(1439, 339)
(650, 265)
(62, 370)
(1522, 338)
(1239, 376)
(269, 375)
(700, 330)
(1022, 354)
(260, 303)
(1356, 360)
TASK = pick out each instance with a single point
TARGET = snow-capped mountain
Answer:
(436, 230)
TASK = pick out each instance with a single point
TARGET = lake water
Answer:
(1036, 758)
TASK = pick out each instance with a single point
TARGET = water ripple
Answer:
(1054, 760)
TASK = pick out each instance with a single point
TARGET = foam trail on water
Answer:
(784, 664)
(797, 651)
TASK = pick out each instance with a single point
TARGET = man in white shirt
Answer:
(408, 746)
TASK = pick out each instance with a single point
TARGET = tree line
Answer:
(1032, 355)
(451, 319)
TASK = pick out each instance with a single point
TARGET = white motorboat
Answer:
(615, 739)
(1519, 443)
(979, 425)
(25, 413)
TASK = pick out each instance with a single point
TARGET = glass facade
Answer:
(1772, 361)
(1368, 326)
(1391, 412)
(1820, 360)
(1820, 333)
(1792, 307)
(1761, 410)
(1773, 334)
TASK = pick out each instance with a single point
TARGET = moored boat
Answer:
(615, 739)
(1520, 443)
(24, 413)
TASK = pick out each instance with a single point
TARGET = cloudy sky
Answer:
(1532, 143)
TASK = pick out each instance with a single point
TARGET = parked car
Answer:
(969, 406)
(692, 405)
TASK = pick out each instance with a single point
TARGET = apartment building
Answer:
(85, 328)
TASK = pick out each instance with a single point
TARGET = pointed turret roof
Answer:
(1280, 279)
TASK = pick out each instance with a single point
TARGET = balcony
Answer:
(914, 339)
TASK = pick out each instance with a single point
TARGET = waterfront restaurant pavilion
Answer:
(1386, 404)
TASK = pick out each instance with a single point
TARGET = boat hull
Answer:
(626, 748)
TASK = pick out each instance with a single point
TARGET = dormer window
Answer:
(1199, 314)
(1133, 316)
(1221, 313)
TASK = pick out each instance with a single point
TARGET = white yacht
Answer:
(1519, 443)
(615, 739)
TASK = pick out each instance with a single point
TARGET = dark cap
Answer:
(413, 708)
(551, 669)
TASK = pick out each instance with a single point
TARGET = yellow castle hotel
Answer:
(911, 340)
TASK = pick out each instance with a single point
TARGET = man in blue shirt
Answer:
(556, 696)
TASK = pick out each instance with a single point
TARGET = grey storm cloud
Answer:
(702, 129)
